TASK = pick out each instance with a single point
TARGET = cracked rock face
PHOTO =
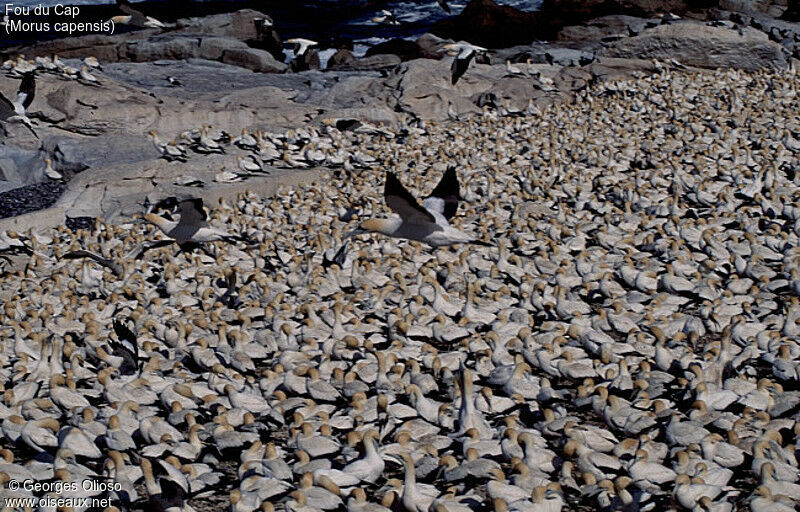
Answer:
(702, 46)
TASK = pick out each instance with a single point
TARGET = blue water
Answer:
(325, 21)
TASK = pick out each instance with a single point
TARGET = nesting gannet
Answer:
(464, 53)
(92, 62)
(169, 150)
(14, 111)
(50, 172)
(87, 77)
(427, 224)
(512, 70)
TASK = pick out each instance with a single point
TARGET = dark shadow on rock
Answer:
(485, 23)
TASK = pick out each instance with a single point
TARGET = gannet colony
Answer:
(627, 340)
(595, 305)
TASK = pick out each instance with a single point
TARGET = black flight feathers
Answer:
(403, 203)
(28, 87)
(449, 191)
(127, 348)
(443, 199)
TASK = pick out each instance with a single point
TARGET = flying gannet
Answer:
(134, 18)
(386, 18)
(14, 111)
(192, 227)
(304, 58)
(464, 53)
(427, 223)
(301, 45)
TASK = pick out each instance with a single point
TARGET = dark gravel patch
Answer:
(76, 223)
(29, 198)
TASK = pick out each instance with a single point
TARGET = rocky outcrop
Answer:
(773, 8)
(700, 45)
(783, 32)
(606, 29)
(485, 23)
(373, 62)
(430, 46)
(403, 48)
(239, 25)
(191, 39)
(181, 47)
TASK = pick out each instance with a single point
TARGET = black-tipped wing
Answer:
(403, 203)
(444, 198)
(192, 211)
(27, 88)
(94, 257)
(193, 217)
(143, 247)
(443, 4)
(338, 258)
(127, 349)
(459, 67)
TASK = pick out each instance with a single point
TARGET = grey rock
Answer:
(240, 24)
(212, 48)
(606, 27)
(430, 44)
(210, 37)
(8, 171)
(252, 58)
(609, 68)
(173, 47)
(19, 166)
(568, 57)
(342, 58)
(773, 8)
(76, 154)
(381, 61)
(700, 45)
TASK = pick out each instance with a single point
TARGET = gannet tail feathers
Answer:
(444, 198)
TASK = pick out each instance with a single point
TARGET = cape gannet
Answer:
(134, 18)
(14, 111)
(464, 53)
(428, 223)
(192, 228)
(386, 18)
(301, 45)
(304, 57)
